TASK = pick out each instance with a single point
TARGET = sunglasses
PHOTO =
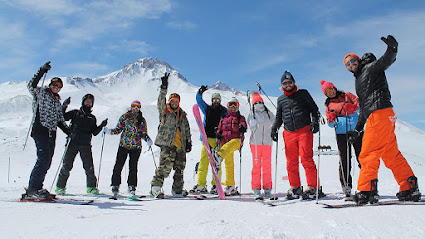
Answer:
(233, 104)
(57, 84)
(258, 103)
(353, 60)
(329, 90)
(289, 82)
(216, 100)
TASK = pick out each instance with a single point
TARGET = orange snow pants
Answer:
(379, 141)
(261, 166)
(300, 144)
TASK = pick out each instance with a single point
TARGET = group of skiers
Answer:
(367, 123)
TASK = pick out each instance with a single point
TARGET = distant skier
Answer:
(212, 115)
(174, 139)
(260, 121)
(134, 128)
(300, 117)
(379, 140)
(230, 132)
(342, 114)
(83, 126)
(47, 109)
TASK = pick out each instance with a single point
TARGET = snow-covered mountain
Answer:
(233, 218)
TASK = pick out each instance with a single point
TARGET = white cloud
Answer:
(185, 25)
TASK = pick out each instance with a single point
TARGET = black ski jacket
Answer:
(295, 111)
(371, 84)
(83, 126)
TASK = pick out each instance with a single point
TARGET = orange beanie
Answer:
(256, 97)
(351, 54)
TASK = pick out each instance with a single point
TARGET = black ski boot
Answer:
(310, 193)
(413, 193)
(364, 197)
(294, 193)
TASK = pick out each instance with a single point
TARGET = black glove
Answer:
(242, 129)
(274, 134)
(66, 102)
(314, 127)
(46, 67)
(104, 123)
(218, 135)
(390, 41)
(202, 89)
(188, 146)
(353, 135)
(164, 80)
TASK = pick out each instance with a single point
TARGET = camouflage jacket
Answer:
(169, 123)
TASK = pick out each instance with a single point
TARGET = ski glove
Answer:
(107, 130)
(350, 107)
(353, 135)
(188, 145)
(202, 89)
(148, 141)
(314, 127)
(274, 134)
(164, 80)
(104, 123)
(218, 135)
(391, 42)
(66, 102)
(242, 129)
(46, 67)
(331, 117)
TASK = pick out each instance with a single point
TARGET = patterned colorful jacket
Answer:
(134, 129)
(229, 126)
(346, 120)
(169, 122)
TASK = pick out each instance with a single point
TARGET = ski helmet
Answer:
(88, 96)
(56, 79)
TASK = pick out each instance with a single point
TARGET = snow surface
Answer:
(236, 217)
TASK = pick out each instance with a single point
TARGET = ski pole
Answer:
(100, 160)
(261, 89)
(322, 121)
(251, 108)
(61, 162)
(8, 172)
(153, 157)
(275, 169)
(34, 113)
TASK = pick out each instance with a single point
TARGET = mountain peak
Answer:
(225, 87)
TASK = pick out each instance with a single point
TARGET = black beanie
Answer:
(88, 96)
(287, 75)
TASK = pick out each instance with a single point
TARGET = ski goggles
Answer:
(329, 90)
(56, 84)
(216, 100)
(233, 104)
(259, 103)
(136, 106)
(353, 60)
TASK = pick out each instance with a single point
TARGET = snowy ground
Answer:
(236, 217)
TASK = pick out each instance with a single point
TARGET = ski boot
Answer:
(231, 190)
(347, 192)
(413, 193)
(217, 159)
(92, 190)
(60, 191)
(115, 190)
(294, 193)
(40, 195)
(257, 194)
(267, 192)
(310, 193)
(214, 190)
(132, 190)
(182, 194)
(364, 197)
(156, 192)
(198, 189)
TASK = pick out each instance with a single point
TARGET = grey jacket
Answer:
(261, 131)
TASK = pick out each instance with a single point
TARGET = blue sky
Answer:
(236, 42)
